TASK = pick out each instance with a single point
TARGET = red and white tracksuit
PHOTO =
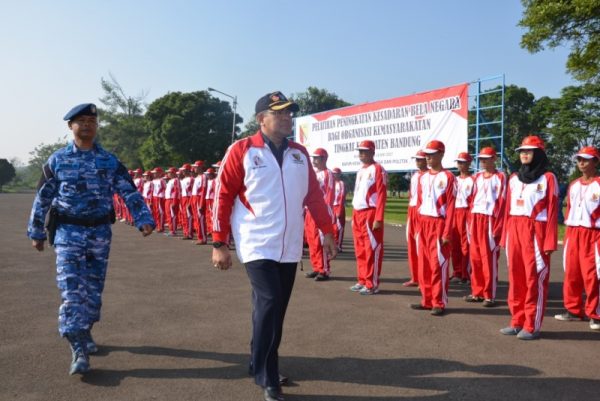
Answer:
(370, 195)
(460, 241)
(158, 203)
(207, 204)
(185, 206)
(412, 226)
(581, 257)
(172, 196)
(261, 203)
(530, 230)
(147, 191)
(436, 201)
(199, 213)
(485, 229)
(339, 211)
(314, 237)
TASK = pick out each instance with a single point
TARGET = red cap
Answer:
(434, 147)
(217, 164)
(337, 170)
(186, 166)
(532, 142)
(320, 152)
(157, 170)
(419, 155)
(172, 170)
(464, 157)
(487, 153)
(147, 173)
(130, 172)
(588, 152)
(209, 170)
(138, 171)
(366, 145)
(198, 163)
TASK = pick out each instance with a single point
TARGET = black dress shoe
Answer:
(273, 394)
(312, 274)
(283, 380)
(322, 277)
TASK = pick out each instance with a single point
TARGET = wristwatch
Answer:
(218, 244)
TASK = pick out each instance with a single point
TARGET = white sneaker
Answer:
(369, 291)
(357, 287)
(594, 324)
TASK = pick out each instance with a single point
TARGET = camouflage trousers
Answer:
(81, 261)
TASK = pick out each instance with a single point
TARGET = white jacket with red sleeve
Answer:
(262, 204)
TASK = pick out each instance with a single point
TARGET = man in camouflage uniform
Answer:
(78, 182)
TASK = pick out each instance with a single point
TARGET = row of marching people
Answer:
(178, 198)
(468, 219)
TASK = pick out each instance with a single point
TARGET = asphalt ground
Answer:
(174, 328)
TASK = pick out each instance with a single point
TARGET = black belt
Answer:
(78, 221)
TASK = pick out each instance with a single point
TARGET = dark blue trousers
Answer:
(272, 284)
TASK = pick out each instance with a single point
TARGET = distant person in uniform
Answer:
(77, 186)
(370, 196)
(529, 236)
(582, 242)
(264, 183)
(339, 207)
(412, 219)
(460, 242)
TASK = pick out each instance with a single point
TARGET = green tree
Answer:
(574, 122)
(186, 127)
(315, 100)
(123, 127)
(40, 154)
(554, 23)
(250, 128)
(7, 172)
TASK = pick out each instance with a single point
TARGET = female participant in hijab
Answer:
(529, 237)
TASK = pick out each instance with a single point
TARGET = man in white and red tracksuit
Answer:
(263, 185)
(148, 189)
(198, 193)
(158, 199)
(185, 205)
(209, 196)
(486, 220)
(339, 208)
(370, 195)
(460, 243)
(412, 220)
(314, 237)
(582, 242)
(530, 236)
(437, 192)
(172, 195)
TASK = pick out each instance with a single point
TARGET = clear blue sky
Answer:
(55, 52)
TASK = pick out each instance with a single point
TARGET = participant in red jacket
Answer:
(582, 242)
(198, 193)
(339, 207)
(460, 242)
(436, 201)
(314, 237)
(412, 220)
(370, 195)
(263, 185)
(148, 189)
(158, 199)
(530, 231)
(485, 228)
(209, 197)
(187, 212)
(172, 196)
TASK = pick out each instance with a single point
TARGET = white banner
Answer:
(399, 127)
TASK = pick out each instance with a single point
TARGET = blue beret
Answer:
(85, 109)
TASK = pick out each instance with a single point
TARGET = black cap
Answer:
(85, 109)
(275, 101)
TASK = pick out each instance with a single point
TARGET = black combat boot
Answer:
(80, 362)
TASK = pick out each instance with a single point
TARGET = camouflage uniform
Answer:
(80, 185)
